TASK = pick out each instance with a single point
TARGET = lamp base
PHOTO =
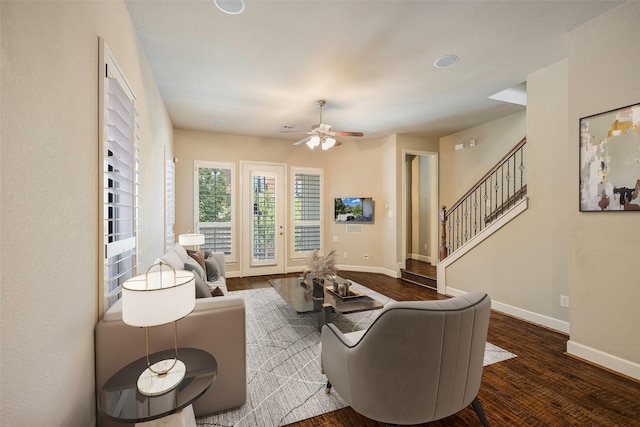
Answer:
(152, 384)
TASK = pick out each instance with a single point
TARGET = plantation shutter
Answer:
(170, 215)
(214, 217)
(120, 180)
(307, 211)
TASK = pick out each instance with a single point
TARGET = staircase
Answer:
(496, 199)
(492, 197)
(420, 273)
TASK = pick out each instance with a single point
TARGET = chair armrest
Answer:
(334, 359)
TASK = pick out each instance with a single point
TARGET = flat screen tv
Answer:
(353, 210)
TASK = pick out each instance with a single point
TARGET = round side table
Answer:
(121, 401)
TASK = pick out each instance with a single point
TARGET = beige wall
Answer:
(524, 265)
(357, 168)
(49, 190)
(460, 169)
(604, 288)
(405, 144)
(553, 249)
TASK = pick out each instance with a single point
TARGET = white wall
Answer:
(49, 190)
(604, 64)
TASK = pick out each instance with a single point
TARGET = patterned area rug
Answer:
(285, 384)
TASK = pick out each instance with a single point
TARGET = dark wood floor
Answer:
(542, 386)
(422, 268)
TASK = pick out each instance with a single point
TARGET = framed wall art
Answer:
(610, 161)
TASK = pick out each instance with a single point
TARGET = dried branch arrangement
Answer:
(322, 266)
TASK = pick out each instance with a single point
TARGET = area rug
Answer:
(285, 384)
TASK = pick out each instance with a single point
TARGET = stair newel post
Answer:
(443, 234)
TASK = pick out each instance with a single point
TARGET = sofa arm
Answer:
(217, 325)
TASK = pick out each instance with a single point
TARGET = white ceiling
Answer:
(252, 73)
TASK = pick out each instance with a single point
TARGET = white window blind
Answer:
(264, 218)
(307, 210)
(214, 186)
(119, 179)
(169, 205)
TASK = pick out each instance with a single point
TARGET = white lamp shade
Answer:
(191, 239)
(155, 299)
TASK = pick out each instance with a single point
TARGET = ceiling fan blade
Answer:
(303, 140)
(343, 133)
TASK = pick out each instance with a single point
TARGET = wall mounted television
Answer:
(353, 210)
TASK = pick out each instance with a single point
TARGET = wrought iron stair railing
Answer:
(492, 196)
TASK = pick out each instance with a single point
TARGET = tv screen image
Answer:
(353, 209)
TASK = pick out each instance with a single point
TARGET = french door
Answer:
(263, 218)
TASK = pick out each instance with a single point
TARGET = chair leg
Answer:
(479, 411)
(328, 388)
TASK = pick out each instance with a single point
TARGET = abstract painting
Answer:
(610, 161)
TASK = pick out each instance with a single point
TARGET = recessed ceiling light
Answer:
(232, 7)
(446, 61)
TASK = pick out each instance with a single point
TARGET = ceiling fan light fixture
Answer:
(313, 142)
(328, 143)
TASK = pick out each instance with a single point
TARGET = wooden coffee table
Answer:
(295, 293)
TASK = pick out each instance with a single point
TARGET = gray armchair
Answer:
(418, 362)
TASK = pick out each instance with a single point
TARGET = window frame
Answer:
(198, 164)
(117, 251)
(297, 255)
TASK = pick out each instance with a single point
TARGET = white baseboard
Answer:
(368, 269)
(520, 313)
(418, 257)
(606, 360)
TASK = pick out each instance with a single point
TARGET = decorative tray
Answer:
(352, 294)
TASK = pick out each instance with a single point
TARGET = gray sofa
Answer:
(216, 325)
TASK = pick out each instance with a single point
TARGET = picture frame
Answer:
(610, 161)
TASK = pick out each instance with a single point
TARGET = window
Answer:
(169, 200)
(264, 219)
(307, 210)
(214, 202)
(119, 179)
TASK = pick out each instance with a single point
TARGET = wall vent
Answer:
(354, 229)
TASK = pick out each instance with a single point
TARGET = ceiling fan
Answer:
(322, 135)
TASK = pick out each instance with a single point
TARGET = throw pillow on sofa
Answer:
(213, 271)
(198, 257)
(192, 265)
(172, 258)
(202, 290)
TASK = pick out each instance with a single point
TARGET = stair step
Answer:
(419, 279)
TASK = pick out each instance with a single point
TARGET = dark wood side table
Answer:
(120, 400)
